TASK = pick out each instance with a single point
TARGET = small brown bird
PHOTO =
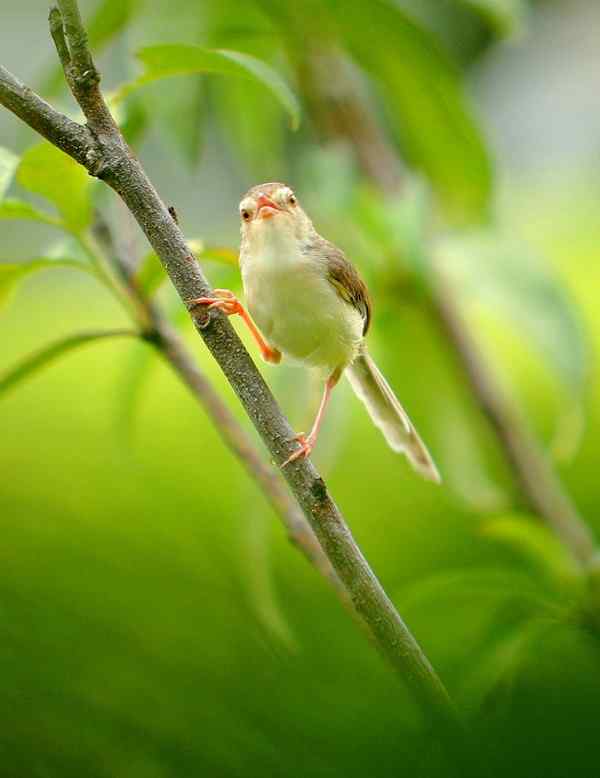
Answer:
(312, 306)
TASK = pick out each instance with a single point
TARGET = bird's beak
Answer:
(265, 207)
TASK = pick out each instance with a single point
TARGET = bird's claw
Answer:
(222, 299)
(307, 444)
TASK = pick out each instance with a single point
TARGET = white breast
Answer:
(297, 309)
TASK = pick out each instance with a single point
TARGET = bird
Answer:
(307, 302)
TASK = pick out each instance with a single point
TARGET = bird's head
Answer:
(270, 210)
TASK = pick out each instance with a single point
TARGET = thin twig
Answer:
(112, 161)
(341, 114)
(57, 31)
(75, 140)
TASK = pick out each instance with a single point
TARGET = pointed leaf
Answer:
(181, 59)
(19, 209)
(12, 274)
(8, 165)
(49, 172)
(46, 355)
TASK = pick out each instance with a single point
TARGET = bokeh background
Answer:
(155, 621)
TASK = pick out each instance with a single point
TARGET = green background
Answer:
(154, 619)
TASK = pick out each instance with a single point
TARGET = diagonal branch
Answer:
(110, 159)
(75, 140)
(171, 347)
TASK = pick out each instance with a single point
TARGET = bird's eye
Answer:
(245, 215)
(292, 199)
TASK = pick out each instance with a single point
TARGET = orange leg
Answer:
(227, 302)
(307, 442)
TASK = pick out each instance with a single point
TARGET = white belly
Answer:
(298, 311)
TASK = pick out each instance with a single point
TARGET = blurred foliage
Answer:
(47, 171)
(156, 622)
(177, 60)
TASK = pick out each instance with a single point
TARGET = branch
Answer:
(342, 114)
(67, 135)
(115, 164)
(172, 349)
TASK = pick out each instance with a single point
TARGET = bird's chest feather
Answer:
(296, 307)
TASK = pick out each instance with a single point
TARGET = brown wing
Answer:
(344, 277)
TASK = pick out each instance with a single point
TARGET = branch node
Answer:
(318, 489)
(200, 314)
(94, 162)
(87, 79)
(152, 337)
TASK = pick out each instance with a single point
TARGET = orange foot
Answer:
(307, 443)
(222, 299)
(227, 302)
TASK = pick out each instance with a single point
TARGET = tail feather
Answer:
(387, 414)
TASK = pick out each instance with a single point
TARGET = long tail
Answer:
(387, 414)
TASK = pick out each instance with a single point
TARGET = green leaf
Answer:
(168, 60)
(8, 165)
(423, 96)
(19, 209)
(538, 545)
(151, 273)
(505, 16)
(49, 172)
(45, 356)
(12, 274)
